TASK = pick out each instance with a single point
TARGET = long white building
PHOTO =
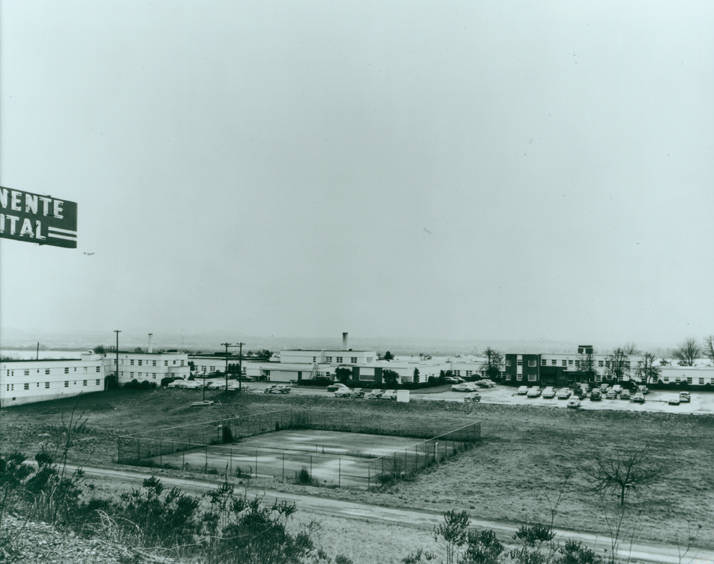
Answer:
(29, 381)
(141, 367)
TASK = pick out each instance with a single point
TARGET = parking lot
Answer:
(701, 402)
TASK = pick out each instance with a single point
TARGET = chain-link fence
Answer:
(303, 446)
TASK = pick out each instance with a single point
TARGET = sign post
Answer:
(34, 218)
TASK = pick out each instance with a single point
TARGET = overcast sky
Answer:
(433, 169)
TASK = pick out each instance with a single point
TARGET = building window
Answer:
(532, 377)
(329, 359)
(519, 362)
(66, 370)
(131, 362)
(182, 363)
(131, 375)
(153, 375)
(519, 377)
(339, 359)
(508, 377)
(689, 379)
(600, 363)
(66, 383)
(577, 364)
(27, 386)
(267, 372)
(532, 363)
(153, 363)
(666, 379)
(353, 359)
(553, 362)
(97, 381)
(468, 373)
(174, 362)
(543, 362)
(26, 372)
(139, 362)
(166, 363)
(701, 380)
(84, 382)
(97, 369)
(314, 359)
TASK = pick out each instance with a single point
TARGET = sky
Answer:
(455, 170)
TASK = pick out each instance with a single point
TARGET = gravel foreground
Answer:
(28, 541)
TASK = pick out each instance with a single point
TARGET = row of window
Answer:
(564, 363)
(47, 385)
(339, 359)
(153, 362)
(26, 371)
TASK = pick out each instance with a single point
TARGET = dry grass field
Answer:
(516, 474)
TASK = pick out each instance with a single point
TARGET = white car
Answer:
(343, 393)
(463, 387)
(522, 390)
(390, 394)
(564, 393)
(548, 393)
(617, 388)
(574, 403)
(533, 392)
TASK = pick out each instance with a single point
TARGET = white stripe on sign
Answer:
(60, 230)
(55, 236)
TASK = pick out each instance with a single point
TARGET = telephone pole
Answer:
(117, 331)
(240, 365)
(226, 356)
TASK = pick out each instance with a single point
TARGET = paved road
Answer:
(426, 520)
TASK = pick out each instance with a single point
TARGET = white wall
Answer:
(42, 380)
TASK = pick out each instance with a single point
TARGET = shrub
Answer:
(303, 476)
(482, 547)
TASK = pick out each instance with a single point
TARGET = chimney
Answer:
(149, 349)
(344, 339)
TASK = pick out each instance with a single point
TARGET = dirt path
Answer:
(423, 520)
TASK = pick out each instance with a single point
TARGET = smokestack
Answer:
(344, 339)
(149, 348)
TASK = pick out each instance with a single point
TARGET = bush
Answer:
(482, 547)
(304, 477)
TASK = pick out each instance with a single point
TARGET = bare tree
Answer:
(646, 370)
(623, 473)
(687, 352)
(492, 365)
(617, 364)
(709, 347)
(630, 349)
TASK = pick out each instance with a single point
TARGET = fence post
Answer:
(230, 463)
(339, 473)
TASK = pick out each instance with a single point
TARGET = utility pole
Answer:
(117, 331)
(240, 365)
(37, 352)
(226, 356)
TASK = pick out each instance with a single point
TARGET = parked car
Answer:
(595, 395)
(604, 387)
(638, 398)
(337, 386)
(374, 394)
(625, 395)
(282, 389)
(642, 389)
(357, 393)
(684, 397)
(673, 401)
(574, 402)
(486, 383)
(464, 387)
(472, 397)
(522, 390)
(617, 388)
(548, 393)
(533, 392)
(564, 393)
(453, 379)
(611, 394)
(343, 393)
(389, 395)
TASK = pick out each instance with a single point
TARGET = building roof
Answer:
(43, 360)
(328, 350)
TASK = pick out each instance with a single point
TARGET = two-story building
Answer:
(29, 381)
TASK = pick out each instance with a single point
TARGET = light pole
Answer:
(117, 331)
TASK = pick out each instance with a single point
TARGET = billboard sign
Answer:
(34, 218)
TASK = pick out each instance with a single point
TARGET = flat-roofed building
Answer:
(29, 381)
(149, 367)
